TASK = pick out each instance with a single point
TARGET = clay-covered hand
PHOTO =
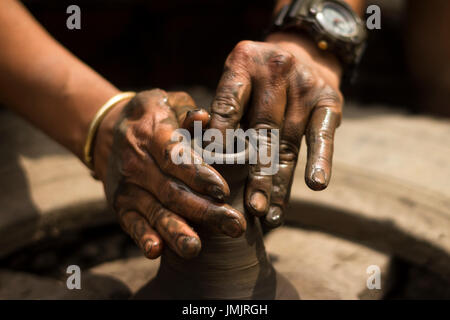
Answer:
(284, 83)
(153, 197)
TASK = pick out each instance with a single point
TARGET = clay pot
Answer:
(226, 268)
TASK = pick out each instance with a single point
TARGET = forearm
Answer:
(357, 5)
(45, 83)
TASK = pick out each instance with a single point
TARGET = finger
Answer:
(165, 149)
(296, 118)
(233, 91)
(186, 110)
(178, 198)
(141, 232)
(200, 115)
(274, 217)
(319, 139)
(267, 112)
(257, 192)
(172, 228)
(180, 237)
(181, 103)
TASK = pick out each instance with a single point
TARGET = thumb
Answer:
(186, 110)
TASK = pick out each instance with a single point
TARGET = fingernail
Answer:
(318, 178)
(216, 192)
(189, 117)
(189, 247)
(189, 113)
(148, 246)
(273, 218)
(258, 201)
(199, 110)
(232, 228)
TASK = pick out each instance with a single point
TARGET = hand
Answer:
(284, 83)
(150, 194)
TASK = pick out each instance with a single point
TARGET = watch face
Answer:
(337, 19)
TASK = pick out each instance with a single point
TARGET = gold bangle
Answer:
(99, 116)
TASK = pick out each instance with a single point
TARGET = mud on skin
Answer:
(156, 200)
(286, 84)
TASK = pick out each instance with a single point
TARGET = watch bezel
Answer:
(300, 17)
(317, 6)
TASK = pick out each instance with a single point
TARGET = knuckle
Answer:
(226, 104)
(336, 114)
(166, 164)
(305, 80)
(124, 198)
(325, 161)
(180, 97)
(153, 93)
(330, 97)
(130, 165)
(281, 61)
(333, 113)
(126, 220)
(156, 213)
(142, 98)
(166, 193)
(288, 151)
(282, 183)
(132, 155)
(320, 135)
(121, 201)
(265, 121)
(279, 192)
(149, 97)
(324, 135)
(243, 50)
(170, 192)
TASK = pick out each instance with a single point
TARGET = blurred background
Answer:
(169, 43)
(388, 204)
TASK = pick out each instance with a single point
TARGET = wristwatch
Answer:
(331, 24)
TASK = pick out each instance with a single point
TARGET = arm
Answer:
(44, 82)
(60, 95)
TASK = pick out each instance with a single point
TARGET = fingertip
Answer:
(152, 248)
(233, 228)
(217, 193)
(317, 179)
(196, 115)
(189, 247)
(234, 223)
(225, 188)
(258, 203)
(274, 217)
(217, 186)
(201, 115)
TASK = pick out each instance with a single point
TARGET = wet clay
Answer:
(226, 268)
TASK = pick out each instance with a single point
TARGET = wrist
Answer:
(305, 50)
(103, 142)
(87, 105)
